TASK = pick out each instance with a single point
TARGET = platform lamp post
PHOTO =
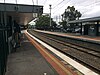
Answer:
(50, 14)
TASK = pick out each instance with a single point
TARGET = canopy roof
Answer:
(93, 19)
(22, 13)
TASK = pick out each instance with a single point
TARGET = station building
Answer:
(88, 26)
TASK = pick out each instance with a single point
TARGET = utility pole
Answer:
(16, 1)
(59, 17)
(56, 18)
(37, 2)
(50, 14)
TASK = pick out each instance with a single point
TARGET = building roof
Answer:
(22, 13)
(93, 19)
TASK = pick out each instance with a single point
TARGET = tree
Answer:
(63, 23)
(43, 22)
(78, 14)
(69, 15)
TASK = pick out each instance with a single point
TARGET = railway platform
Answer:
(29, 59)
(95, 39)
(67, 45)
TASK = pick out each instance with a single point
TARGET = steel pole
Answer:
(50, 15)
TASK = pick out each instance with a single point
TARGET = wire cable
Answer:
(55, 2)
(44, 2)
(61, 6)
(58, 4)
(91, 6)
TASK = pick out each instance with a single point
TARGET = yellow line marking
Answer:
(48, 54)
(69, 73)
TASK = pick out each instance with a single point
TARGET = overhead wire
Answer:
(62, 6)
(85, 6)
(58, 4)
(67, 3)
(44, 2)
(55, 2)
(90, 5)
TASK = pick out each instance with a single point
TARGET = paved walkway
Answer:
(28, 61)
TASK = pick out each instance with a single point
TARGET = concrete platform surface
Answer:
(28, 61)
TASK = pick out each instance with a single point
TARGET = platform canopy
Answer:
(93, 19)
(22, 13)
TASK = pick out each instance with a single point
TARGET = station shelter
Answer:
(88, 26)
(10, 16)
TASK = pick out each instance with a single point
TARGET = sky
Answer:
(88, 8)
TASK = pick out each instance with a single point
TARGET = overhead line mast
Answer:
(50, 15)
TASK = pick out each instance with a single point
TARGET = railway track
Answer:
(86, 56)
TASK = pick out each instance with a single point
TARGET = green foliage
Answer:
(43, 22)
(72, 14)
(63, 23)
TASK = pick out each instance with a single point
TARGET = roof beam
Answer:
(21, 8)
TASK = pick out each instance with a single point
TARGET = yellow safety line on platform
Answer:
(50, 56)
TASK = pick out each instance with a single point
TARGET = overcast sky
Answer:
(88, 8)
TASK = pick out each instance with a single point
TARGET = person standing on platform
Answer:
(17, 34)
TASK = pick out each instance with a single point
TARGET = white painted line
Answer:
(72, 62)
